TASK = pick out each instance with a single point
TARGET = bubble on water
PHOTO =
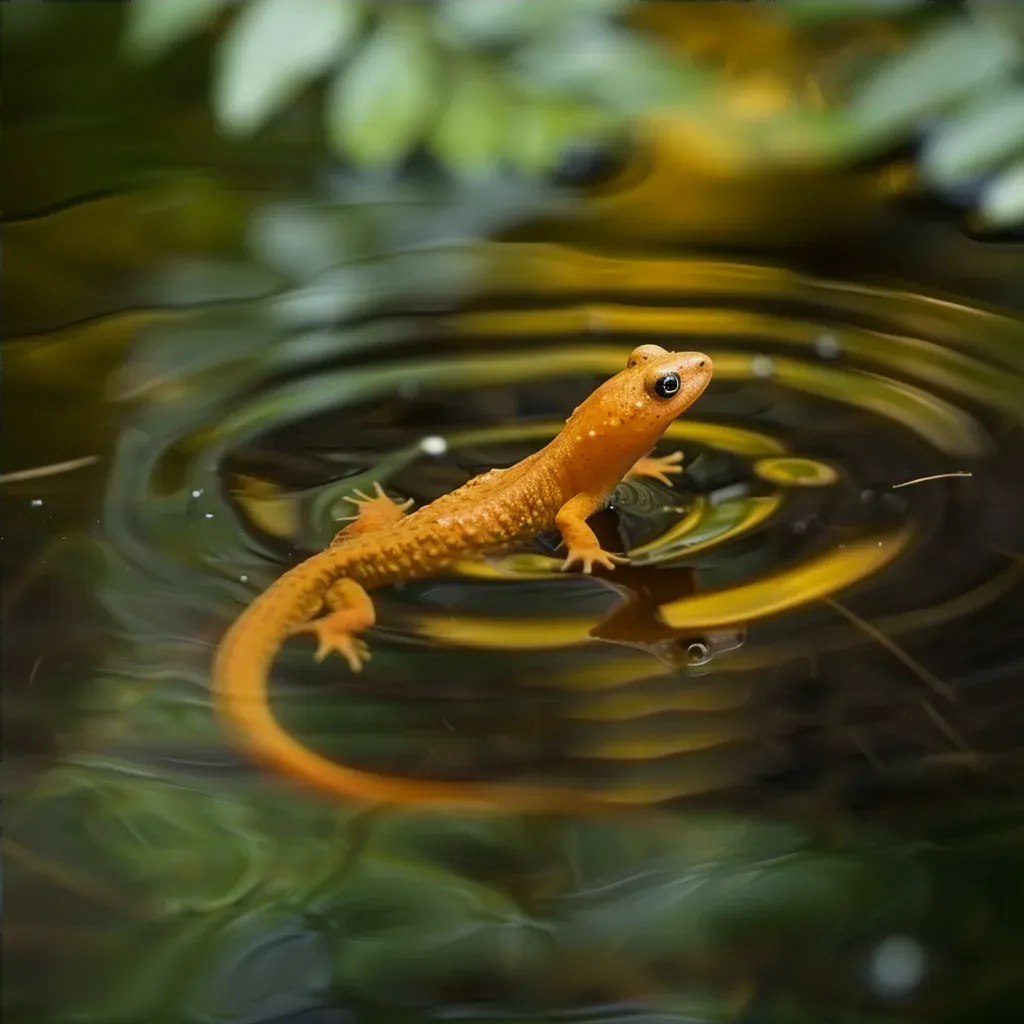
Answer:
(897, 966)
(827, 346)
(699, 653)
(433, 445)
(762, 367)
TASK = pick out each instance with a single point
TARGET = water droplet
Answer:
(762, 367)
(244, 578)
(827, 346)
(897, 966)
(36, 502)
(197, 493)
(207, 515)
(433, 445)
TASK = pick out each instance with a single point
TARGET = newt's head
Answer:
(626, 416)
(665, 383)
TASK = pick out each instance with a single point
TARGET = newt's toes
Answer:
(589, 557)
(330, 639)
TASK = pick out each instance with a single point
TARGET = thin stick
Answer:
(937, 476)
(51, 470)
(945, 728)
(941, 688)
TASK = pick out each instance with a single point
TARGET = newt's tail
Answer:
(241, 682)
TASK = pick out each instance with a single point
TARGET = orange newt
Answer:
(607, 437)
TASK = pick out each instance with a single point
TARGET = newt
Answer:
(608, 437)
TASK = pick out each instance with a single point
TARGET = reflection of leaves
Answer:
(272, 50)
(404, 925)
(269, 965)
(156, 25)
(379, 106)
(304, 241)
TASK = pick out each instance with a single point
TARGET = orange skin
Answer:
(606, 439)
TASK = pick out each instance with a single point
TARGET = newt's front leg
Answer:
(351, 611)
(580, 539)
(658, 468)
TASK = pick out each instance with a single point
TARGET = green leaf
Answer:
(608, 65)
(538, 131)
(988, 133)
(502, 22)
(380, 105)
(1002, 204)
(950, 62)
(274, 49)
(468, 136)
(156, 25)
(483, 22)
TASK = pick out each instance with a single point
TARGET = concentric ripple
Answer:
(785, 545)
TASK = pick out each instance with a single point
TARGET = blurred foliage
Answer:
(511, 84)
(154, 877)
(477, 83)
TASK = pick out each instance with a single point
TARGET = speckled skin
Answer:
(605, 439)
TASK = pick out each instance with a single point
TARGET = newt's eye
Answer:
(667, 386)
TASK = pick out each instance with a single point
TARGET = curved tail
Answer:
(241, 683)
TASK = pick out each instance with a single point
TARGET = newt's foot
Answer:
(334, 636)
(658, 468)
(591, 556)
(373, 512)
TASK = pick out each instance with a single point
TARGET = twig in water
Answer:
(51, 470)
(937, 476)
(941, 688)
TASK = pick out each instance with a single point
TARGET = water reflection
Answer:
(859, 635)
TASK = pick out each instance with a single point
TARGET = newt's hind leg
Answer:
(373, 512)
(351, 611)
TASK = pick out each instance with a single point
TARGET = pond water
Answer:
(798, 706)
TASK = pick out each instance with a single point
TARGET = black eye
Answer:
(667, 386)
